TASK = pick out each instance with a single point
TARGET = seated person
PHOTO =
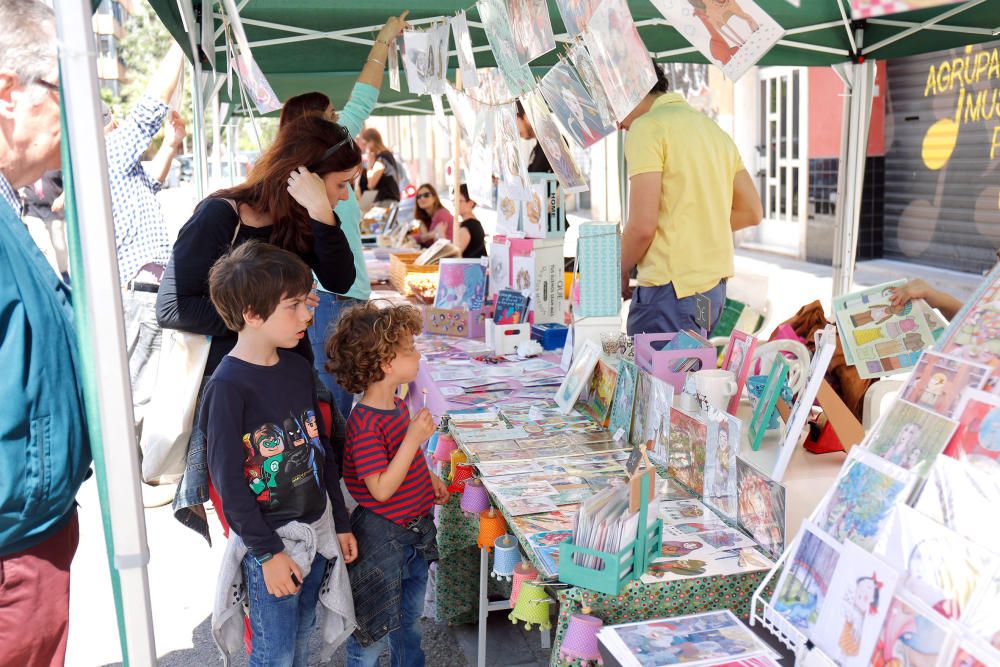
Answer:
(435, 220)
(470, 239)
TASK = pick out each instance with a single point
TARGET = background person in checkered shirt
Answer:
(141, 238)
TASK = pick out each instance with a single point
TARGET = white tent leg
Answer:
(197, 100)
(100, 282)
(858, 91)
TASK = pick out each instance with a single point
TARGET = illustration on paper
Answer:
(805, 579)
(910, 436)
(760, 507)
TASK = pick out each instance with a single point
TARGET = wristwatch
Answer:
(263, 558)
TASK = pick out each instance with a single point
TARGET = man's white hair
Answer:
(28, 47)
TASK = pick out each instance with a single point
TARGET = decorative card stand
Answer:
(739, 358)
(766, 404)
(454, 322)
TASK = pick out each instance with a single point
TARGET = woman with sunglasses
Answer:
(435, 220)
(288, 200)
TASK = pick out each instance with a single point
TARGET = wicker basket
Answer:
(401, 265)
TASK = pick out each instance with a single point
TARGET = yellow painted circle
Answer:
(939, 143)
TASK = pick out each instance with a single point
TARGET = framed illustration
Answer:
(739, 355)
(624, 400)
(766, 403)
(939, 381)
(760, 507)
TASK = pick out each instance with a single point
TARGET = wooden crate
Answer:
(401, 265)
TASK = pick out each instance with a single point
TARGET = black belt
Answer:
(144, 287)
(343, 297)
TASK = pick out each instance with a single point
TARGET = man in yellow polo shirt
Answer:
(689, 191)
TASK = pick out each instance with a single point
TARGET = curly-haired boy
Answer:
(372, 353)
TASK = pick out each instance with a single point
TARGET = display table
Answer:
(460, 568)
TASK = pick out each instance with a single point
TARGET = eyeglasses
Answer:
(333, 149)
(424, 195)
(54, 87)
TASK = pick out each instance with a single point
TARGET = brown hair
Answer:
(366, 337)
(422, 215)
(304, 141)
(374, 137)
(300, 105)
(255, 276)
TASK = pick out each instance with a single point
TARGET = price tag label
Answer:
(619, 435)
(703, 311)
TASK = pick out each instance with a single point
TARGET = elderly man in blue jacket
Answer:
(43, 436)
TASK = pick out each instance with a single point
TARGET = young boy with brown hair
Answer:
(275, 474)
(372, 352)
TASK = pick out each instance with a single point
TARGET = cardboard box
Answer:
(599, 260)
(503, 339)
(454, 322)
(536, 266)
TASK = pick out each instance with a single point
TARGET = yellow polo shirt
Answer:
(693, 245)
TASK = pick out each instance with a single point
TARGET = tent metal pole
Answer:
(197, 99)
(921, 26)
(116, 450)
(851, 171)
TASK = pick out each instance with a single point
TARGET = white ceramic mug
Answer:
(716, 386)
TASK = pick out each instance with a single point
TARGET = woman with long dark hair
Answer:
(435, 220)
(382, 173)
(287, 200)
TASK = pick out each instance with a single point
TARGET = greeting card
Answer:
(686, 452)
(977, 438)
(910, 436)
(579, 373)
(911, 634)
(862, 498)
(974, 334)
(855, 607)
(624, 400)
(939, 381)
(720, 461)
(806, 578)
(597, 397)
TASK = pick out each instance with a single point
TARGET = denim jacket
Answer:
(377, 574)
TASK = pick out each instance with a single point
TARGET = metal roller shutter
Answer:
(942, 165)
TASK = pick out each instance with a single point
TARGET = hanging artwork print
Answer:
(855, 607)
(394, 65)
(497, 24)
(576, 14)
(255, 84)
(732, 34)
(585, 67)
(806, 578)
(862, 499)
(574, 107)
(463, 45)
(621, 60)
(554, 146)
(507, 143)
(910, 436)
(760, 507)
(418, 61)
(532, 28)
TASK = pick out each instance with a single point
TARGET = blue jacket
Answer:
(44, 446)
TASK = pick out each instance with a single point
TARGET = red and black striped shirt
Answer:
(373, 438)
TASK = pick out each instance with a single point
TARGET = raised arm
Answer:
(378, 57)
(173, 139)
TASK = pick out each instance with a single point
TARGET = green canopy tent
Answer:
(304, 45)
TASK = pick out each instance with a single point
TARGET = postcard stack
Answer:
(897, 566)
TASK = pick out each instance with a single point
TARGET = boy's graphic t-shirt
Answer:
(373, 438)
(266, 457)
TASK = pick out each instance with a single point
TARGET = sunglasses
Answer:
(331, 150)
(424, 195)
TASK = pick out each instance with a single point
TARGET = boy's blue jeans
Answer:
(281, 626)
(403, 643)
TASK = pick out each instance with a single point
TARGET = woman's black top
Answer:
(388, 185)
(477, 239)
(183, 302)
